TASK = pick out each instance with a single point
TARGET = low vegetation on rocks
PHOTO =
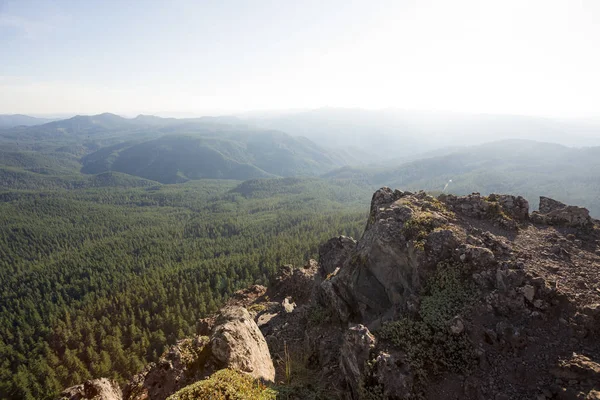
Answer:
(226, 384)
(434, 339)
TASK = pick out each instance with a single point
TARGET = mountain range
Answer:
(405, 150)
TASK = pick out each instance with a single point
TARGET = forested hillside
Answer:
(96, 281)
(166, 150)
(230, 155)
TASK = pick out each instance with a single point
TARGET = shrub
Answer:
(226, 384)
(318, 315)
(428, 344)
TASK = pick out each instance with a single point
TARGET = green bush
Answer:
(429, 345)
(226, 384)
(318, 315)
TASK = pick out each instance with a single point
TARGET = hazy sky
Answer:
(505, 56)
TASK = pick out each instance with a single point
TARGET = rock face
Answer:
(394, 257)
(237, 343)
(552, 212)
(334, 253)
(97, 389)
(294, 283)
(354, 353)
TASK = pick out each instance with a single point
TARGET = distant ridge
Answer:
(12, 120)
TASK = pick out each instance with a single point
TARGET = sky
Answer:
(529, 57)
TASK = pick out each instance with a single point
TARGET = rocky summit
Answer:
(455, 297)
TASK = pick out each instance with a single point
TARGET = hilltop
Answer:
(469, 297)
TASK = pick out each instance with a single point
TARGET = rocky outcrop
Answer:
(334, 253)
(97, 389)
(294, 283)
(552, 212)
(237, 343)
(410, 240)
(547, 205)
(182, 364)
(388, 264)
(406, 236)
(354, 353)
(494, 205)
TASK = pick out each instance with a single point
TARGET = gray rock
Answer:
(457, 326)
(477, 206)
(478, 256)
(97, 389)
(552, 212)
(354, 352)
(328, 297)
(387, 266)
(515, 206)
(334, 253)
(548, 205)
(529, 292)
(237, 343)
(441, 243)
(392, 373)
(297, 283)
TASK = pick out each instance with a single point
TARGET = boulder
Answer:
(477, 256)
(334, 253)
(238, 344)
(97, 389)
(441, 243)
(553, 212)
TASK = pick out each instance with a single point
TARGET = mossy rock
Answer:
(226, 384)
